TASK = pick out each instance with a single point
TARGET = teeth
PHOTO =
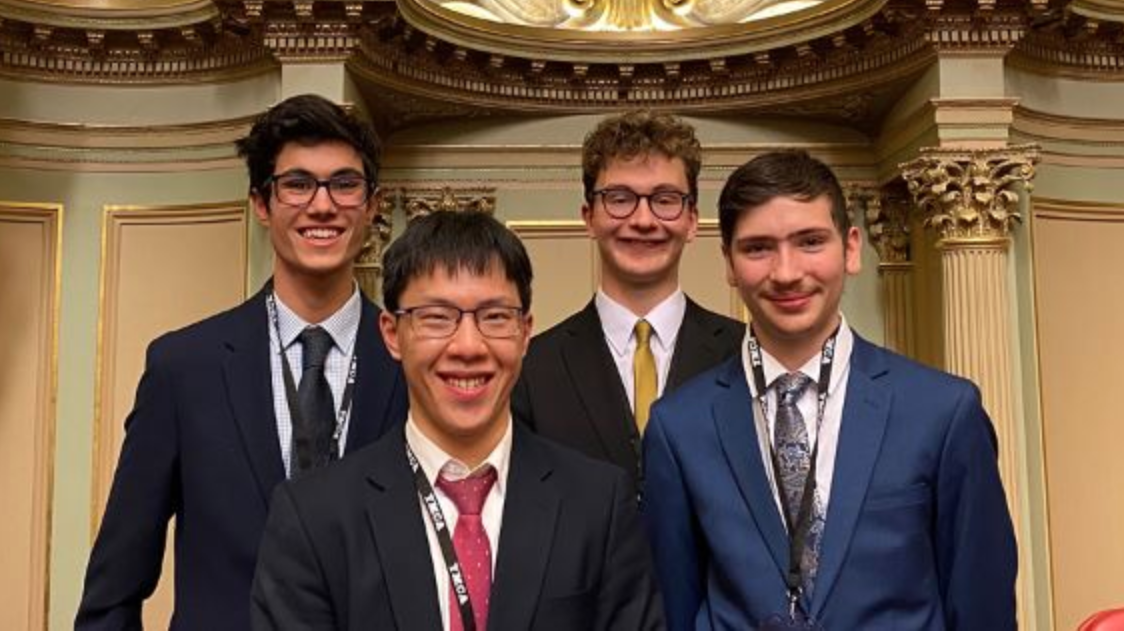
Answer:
(475, 382)
(320, 233)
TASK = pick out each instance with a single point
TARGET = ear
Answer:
(731, 280)
(852, 251)
(587, 217)
(528, 328)
(693, 217)
(388, 327)
(260, 206)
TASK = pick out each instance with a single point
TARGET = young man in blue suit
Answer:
(222, 415)
(816, 480)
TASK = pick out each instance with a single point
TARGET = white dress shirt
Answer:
(618, 323)
(343, 327)
(435, 462)
(828, 432)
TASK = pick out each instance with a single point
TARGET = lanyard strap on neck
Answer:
(799, 521)
(291, 397)
(448, 551)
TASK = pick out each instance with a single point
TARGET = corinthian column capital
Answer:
(886, 212)
(971, 195)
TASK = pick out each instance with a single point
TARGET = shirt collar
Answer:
(618, 322)
(774, 369)
(343, 325)
(434, 461)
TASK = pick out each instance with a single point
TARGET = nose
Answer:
(321, 201)
(786, 266)
(467, 341)
(643, 218)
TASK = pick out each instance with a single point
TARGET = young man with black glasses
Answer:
(231, 406)
(462, 520)
(589, 381)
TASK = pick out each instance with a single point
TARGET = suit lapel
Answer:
(399, 531)
(249, 389)
(865, 414)
(597, 383)
(529, 514)
(376, 382)
(737, 432)
(698, 346)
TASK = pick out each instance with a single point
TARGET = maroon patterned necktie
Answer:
(474, 552)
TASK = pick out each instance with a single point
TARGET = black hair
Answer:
(469, 240)
(305, 119)
(788, 173)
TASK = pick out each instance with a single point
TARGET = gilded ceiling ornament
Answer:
(622, 15)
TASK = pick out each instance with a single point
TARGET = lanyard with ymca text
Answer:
(798, 524)
(291, 397)
(441, 528)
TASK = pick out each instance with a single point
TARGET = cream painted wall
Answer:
(83, 196)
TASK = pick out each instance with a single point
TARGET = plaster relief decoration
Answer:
(421, 202)
(623, 15)
(368, 264)
(971, 195)
(887, 222)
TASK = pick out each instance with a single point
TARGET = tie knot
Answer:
(790, 386)
(468, 494)
(316, 342)
(643, 331)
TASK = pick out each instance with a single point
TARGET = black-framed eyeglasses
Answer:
(441, 321)
(666, 205)
(299, 189)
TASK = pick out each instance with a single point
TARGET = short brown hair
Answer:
(639, 133)
(790, 173)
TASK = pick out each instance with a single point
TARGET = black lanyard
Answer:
(291, 397)
(798, 524)
(441, 528)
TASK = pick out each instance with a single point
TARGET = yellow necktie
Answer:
(643, 373)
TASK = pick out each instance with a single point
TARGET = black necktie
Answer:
(312, 433)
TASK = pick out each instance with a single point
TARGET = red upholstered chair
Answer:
(1112, 619)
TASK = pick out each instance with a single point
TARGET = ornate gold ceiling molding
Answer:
(113, 15)
(830, 17)
(1107, 10)
(413, 63)
(84, 136)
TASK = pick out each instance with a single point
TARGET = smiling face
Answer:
(316, 243)
(460, 386)
(641, 252)
(789, 262)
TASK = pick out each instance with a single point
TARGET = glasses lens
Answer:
(435, 321)
(619, 202)
(295, 189)
(348, 190)
(667, 204)
(499, 322)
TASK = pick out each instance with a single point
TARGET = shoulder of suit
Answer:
(559, 333)
(194, 339)
(580, 472)
(907, 370)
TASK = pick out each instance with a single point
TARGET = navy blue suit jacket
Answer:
(918, 535)
(201, 445)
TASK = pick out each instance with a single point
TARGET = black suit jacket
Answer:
(201, 445)
(570, 390)
(346, 548)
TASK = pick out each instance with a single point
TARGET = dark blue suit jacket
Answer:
(918, 535)
(201, 445)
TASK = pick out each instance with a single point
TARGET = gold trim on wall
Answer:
(44, 459)
(104, 453)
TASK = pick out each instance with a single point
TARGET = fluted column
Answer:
(971, 199)
(887, 226)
